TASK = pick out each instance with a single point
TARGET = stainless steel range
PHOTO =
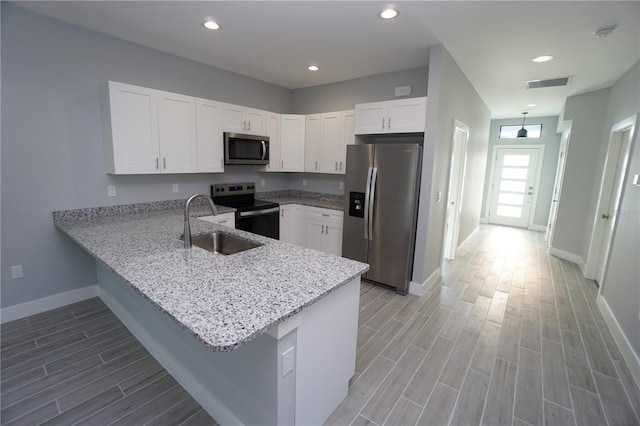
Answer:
(257, 216)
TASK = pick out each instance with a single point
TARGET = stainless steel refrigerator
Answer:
(381, 207)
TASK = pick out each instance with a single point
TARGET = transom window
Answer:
(511, 131)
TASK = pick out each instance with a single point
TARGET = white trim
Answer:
(191, 384)
(419, 289)
(571, 257)
(599, 227)
(629, 355)
(537, 228)
(33, 307)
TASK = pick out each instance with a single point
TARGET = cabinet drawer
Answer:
(333, 217)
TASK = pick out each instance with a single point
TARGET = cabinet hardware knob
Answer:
(336, 165)
(282, 166)
(383, 123)
(164, 163)
(341, 165)
(389, 124)
(244, 125)
(157, 163)
(249, 126)
(316, 165)
(325, 215)
(605, 216)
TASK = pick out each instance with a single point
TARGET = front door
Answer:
(513, 186)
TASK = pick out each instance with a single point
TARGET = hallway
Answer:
(510, 335)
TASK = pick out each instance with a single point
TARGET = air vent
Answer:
(554, 82)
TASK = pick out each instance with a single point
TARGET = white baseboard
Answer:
(538, 228)
(22, 310)
(571, 257)
(418, 289)
(629, 355)
(192, 385)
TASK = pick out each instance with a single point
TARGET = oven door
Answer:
(262, 222)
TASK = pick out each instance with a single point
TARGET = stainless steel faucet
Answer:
(187, 228)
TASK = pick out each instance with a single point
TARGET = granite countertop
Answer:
(313, 199)
(224, 301)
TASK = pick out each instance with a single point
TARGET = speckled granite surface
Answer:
(223, 301)
(314, 199)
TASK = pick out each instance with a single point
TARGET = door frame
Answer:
(557, 185)
(609, 175)
(457, 174)
(534, 200)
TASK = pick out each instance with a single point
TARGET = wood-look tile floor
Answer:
(508, 336)
(79, 365)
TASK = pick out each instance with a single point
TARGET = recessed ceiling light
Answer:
(388, 13)
(211, 25)
(543, 58)
(530, 105)
(313, 68)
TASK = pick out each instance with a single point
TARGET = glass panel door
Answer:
(514, 174)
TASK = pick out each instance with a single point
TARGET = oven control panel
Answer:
(230, 189)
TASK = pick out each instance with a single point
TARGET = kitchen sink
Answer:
(222, 243)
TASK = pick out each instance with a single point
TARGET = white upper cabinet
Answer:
(209, 135)
(396, 116)
(327, 135)
(148, 131)
(292, 134)
(241, 119)
(272, 130)
(177, 133)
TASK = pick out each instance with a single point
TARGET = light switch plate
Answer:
(175, 187)
(111, 190)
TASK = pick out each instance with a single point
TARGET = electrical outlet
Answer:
(175, 187)
(304, 182)
(111, 190)
(17, 272)
(340, 185)
(261, 182)
(288, 361)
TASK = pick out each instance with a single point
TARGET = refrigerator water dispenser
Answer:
(356, 204)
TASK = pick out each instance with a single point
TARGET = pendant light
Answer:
(522, 133)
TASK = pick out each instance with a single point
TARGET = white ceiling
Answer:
(492, 42)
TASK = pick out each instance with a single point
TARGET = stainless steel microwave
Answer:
(245, 149)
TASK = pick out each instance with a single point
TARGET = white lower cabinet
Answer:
(226, 219)
(292, 224)
(323, 230)
(312, 227)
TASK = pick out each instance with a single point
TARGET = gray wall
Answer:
(581, 177)
(52, 156)
(620, 287)
(344, 95)
(551, 141)
(451, 97)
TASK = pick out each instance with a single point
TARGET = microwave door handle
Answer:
(367, 196)
(264, 150)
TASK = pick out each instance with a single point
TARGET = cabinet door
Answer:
(255, 121)
(333, 236)
(315, 234)
(285, 223)
(407, 115)
(234, 120)
(292, 142)
(371, 118)
(348, 138)
(312, 142)
(131, 130)
(209, 135)
(273, 131)
(177, 133)
(331, 142)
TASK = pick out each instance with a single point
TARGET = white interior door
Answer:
(456, 184)
(557, 189)
(616, 168)
(513, 186)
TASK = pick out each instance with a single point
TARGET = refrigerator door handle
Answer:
(367, 195)
(374, 177)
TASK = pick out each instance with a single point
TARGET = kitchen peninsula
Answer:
(264, 336)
